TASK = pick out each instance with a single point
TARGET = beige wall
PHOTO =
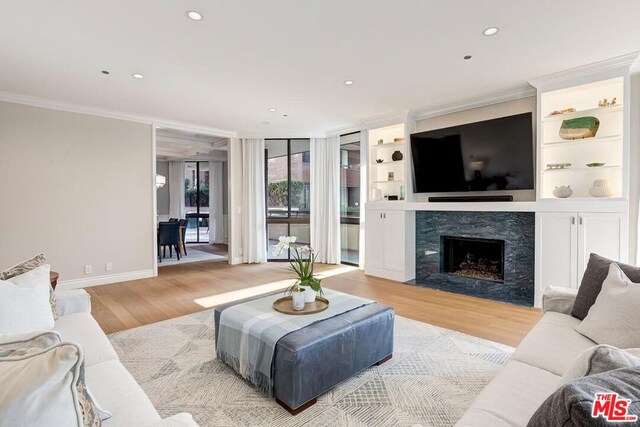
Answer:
(524, 105)
(77, 187)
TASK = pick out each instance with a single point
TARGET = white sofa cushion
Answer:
(73, 301)
(512, 397)
(552, 344)
(116, 390)
(82, 328)
(614, 318)
(24, 302)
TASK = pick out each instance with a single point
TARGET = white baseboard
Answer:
(104, 280)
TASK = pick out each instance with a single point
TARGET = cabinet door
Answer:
(603, 234)
(394, 231)
(374, 239)
(556, 250)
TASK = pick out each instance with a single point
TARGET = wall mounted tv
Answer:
(492, 155)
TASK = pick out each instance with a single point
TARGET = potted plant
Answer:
(302, 266)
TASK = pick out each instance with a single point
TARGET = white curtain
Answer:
(216, 216)
(176, 189)
(325, 199)
(254, 233)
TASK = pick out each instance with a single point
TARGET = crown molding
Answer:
(282, 135)
(119, 115)
(387, 119)
(346, 129)
(622, 63)
(511, 95)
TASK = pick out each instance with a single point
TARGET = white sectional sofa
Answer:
(533, 372)
(110, 383)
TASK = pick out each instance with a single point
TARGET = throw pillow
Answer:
(598, 359)
(46, 388)
(571, 405)
(614, 319)
(19, 345)
(595, 273)
(24, 303)
(25, 267)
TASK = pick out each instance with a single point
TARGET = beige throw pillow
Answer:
(46, 388)
(20, 344)
(614, 319)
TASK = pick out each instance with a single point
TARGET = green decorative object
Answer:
(580, 128)
(594, 165)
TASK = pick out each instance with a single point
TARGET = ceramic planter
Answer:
(309, 294)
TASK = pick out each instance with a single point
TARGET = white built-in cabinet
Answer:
(387, 232)
(566, 239)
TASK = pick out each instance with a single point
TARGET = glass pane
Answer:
(203, 202)
(274, 231)
(350, 197)
(277, 176)
(303, 235)
(300, 188)
(190, 200)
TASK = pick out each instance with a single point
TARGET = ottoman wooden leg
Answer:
(298, 409)
(384, 359)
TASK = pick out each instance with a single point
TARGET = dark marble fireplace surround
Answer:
(516, 229)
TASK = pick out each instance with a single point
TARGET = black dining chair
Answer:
(173, 220)
(183, 228)
(168, 235)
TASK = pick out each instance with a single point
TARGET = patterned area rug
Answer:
(432, 379)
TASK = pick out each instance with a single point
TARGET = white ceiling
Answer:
(227, 70)
(172, 144)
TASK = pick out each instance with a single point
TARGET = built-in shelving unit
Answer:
(383, 143)
(607, 146)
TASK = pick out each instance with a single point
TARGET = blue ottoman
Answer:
(314, 359)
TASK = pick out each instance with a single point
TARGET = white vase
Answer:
(602, 188)
(297, 300)
(309, 294)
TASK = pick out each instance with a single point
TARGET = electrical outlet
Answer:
(88, 269)
(108, 267)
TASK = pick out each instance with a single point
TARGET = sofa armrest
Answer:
(178, 420)
(559, 300)
(72, 301)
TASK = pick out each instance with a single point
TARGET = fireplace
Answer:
(478, 259)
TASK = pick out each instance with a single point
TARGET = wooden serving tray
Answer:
(284, 305)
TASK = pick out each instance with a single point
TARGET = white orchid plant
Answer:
(301, 265)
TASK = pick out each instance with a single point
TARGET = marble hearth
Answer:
(483, 254)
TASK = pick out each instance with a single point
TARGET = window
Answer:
(196, 200)
(350, 198)
(287, 192)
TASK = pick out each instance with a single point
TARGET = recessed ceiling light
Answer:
(348, 82)
(104, 72)
(137, 76)
(490, 31)
(285, 115)
(467, 57)
(265, 123)
(196, 16)
(273, 110)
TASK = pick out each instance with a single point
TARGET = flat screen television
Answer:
(492, 155)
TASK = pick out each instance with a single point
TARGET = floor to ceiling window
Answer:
(196, 200)
(350, 198)
(287, 192)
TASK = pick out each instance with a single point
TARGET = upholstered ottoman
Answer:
(314, 359)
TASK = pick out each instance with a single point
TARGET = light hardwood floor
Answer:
(189, 288)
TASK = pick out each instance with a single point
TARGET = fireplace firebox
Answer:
(479, 259)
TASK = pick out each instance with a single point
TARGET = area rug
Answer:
(431, 380)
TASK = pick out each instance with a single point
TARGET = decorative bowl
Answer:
(562, 192)
(379, 160)
(594, 165)
(580, 128)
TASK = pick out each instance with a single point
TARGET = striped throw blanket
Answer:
(250, 331)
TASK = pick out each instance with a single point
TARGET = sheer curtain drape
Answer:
(176, 190)
(325, 199)
(216, 218)
(253, 231)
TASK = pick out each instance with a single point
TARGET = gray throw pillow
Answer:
(597, 270)
(571, 405)
(598, 359)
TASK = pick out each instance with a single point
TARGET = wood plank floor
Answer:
(189, 288)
